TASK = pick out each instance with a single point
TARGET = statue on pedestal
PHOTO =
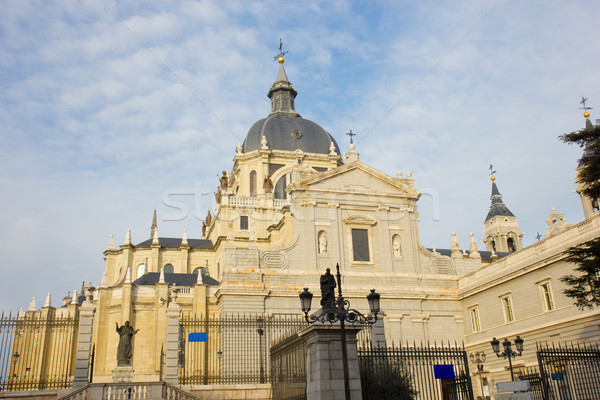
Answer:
(328, 290)
(124, 352)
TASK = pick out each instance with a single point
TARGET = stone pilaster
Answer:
(84, 344)
(172, 344)
(325, 368)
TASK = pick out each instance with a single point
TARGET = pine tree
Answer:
(585, 288)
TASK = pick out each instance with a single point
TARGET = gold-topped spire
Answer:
(585, 108)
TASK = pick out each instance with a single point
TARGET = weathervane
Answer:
(281, 52)
(584, 108)
(492, 171)
(351, 135)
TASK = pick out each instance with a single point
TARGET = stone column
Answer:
(325, 368)
(172, 344)
(84, 344)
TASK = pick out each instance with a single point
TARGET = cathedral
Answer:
(292, 205)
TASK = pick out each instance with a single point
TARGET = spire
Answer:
(48, 302)
(161, 278)
(111, 243)
(282, 94)
(184, 241)
(199, 277)
(128, 275)
(128, 238)
(155, 237)
(497, 207)
(154, 226)
(32, 305)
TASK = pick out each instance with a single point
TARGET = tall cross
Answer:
(584, 108)
(492, 172)
(351, 135)
(281, 52)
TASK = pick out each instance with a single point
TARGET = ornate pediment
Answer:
(360, 219)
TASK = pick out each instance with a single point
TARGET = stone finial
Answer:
(455, 246)
(128, 275)
(21, 313)
(199, 280)
(32, 306)
(88, 291)
(473, 247)
(161, 279)
(263, 143)
(155, 238)
(332, 149)
(111, 243)
(74, 298)
(409, 174)
(184, 241)
(128, 238)
(399, 174)
(48, 302)
(238, 149)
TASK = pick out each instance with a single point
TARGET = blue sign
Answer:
(444, 372)
(197, 337)
(558, 377)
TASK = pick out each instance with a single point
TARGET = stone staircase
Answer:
(129, 390)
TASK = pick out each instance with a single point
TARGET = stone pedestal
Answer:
(325, 367)
(84, 345)
(172, 344)
(122, 373)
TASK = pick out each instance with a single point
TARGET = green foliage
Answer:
(585, 289)
(383, 379)
(589, 172)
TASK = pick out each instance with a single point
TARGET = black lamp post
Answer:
(261, 332)
(341, 311)
(508, 351)
(478, 359)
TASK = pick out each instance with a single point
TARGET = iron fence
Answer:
(396, 371)
(288, 369)
(37, 351)
(569, 371)
(231, 348)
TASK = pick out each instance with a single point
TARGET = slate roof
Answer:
(497, 207)
(176, 242)
(485, 255)
(278, 128)
(151, 278)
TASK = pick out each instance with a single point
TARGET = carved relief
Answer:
(397, 246)
(322, 242)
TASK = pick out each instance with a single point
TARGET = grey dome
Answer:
(278, 128)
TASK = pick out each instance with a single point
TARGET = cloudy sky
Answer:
(107, 108)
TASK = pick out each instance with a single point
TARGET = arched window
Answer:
(285, 107)
(168, 268)
(252, 183)
(280, 186)
(141, 270)
(511, 244)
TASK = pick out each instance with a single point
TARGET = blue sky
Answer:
(106, 107)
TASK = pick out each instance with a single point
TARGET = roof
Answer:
(152, 278)
(176, 242)
(308, 136)
(485, 255)
(498, 208)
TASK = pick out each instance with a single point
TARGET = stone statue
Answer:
(218, 195)
(397, 247)
(224, 181)
(268, 185)
(124, 353)
(208, 218)
(203, 229)
(323, 243)
(328, 290)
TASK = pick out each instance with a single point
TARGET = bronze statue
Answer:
(328, 290)
(124, 353)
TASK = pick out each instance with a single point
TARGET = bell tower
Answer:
(501, 229)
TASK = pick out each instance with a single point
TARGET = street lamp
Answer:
(508, 351)
(261, 332)
(478, 359)
(339, 310)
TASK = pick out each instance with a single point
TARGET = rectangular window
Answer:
(475, 326)
(360, 245)
(547, 296)
(508, 310)
(243, 222)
